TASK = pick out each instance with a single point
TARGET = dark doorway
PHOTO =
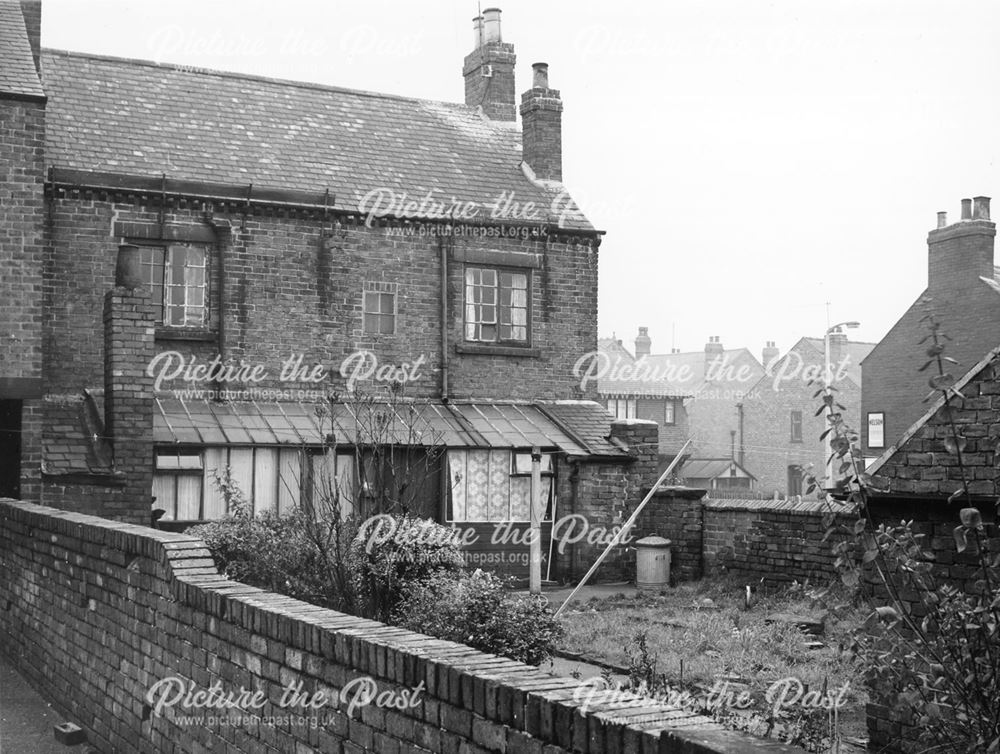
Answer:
(10, 448)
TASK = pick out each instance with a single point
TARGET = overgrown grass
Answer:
(700, 633)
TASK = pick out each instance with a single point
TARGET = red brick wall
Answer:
(671, 436)
(295, 286)
(605, 495)
(924, 467)
(775, 541)
(969, 312)
(676, 514)
(22, 213)
(94, 613)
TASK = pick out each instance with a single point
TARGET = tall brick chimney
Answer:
(128, 389)
(541, 126)
(770, 353)
(713, 350)
(838, 345)
(643, 343)
(489, 69)
(960, 253)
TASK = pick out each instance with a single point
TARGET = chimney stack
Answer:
(713, 350)
(129, 347)
(541, 125)
(770, 353)
(643, 344)
(489, 69)
(961, 253)
(838, 343)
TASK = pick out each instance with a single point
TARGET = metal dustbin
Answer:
(652, 564)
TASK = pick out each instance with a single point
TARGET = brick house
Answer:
(201, 257)
(694, 394)
(781, 428)
(914, 480)
(963, 292)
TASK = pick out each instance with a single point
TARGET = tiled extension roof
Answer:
(143, 119)
(17, 67)
(588, 422)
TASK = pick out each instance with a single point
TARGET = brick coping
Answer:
(410, 658)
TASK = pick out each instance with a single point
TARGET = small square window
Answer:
(379, 312)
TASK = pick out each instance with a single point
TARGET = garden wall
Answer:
(757, 539)
(775, 540)
(94, 612)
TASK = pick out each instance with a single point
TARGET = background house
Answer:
(781, 426)
(963, 293)
(166, 215)
(701, 391)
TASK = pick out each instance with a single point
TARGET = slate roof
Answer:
(674, 375)
(17, 67)
(588, 422)
(74, 428)
(141, 118)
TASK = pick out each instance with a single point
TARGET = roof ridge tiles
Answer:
(201, 70)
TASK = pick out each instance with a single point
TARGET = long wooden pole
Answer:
(535, 552)
(624, 530)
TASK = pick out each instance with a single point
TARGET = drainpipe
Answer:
(443, 249)
(739, 409)
(220, 247)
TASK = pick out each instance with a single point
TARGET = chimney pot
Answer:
(981, 208)
(491, 26)
(540, 78)
(477, 32)
(942, 219)
(966, 209)
(643, 344)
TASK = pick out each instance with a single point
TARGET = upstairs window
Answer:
(668, 413)
(177, 276)
(496, 306)
(796, 426)
(379, 308)
(622, 408)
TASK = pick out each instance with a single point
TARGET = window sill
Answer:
(183, 333)
(486, 349)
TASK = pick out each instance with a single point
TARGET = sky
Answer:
(761, 169)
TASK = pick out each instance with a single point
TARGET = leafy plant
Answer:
(931, 643)
(479, 609)
(271, 551)
(396, 552)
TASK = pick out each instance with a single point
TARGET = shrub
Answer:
(391, 553)
(479, 610)
(273, 552)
